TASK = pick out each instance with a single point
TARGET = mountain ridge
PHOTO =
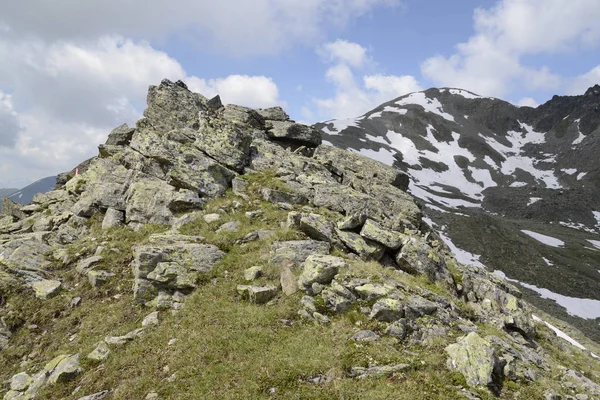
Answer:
(219, 251)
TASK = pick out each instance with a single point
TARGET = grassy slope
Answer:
(226, 348)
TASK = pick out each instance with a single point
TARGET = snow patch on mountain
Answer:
(559, 333)
(547, 240)
(383, 155)
(533, 200)
(581, 175)
(514, 159)
(595, 243)
(464, 93)
(569, 171)
(430, 105)
(462, 256)
(548, 262)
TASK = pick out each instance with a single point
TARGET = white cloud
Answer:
(343, 51)
(528, 101)
(491, 62)
(239, 27)
(354, 97)
(71, 94)
(249, 91)
(9, 124)
(581, 83)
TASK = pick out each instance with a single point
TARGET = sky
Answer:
(72, 70)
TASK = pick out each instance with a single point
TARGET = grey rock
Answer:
(352, 222)
(20, 382)
(100, 353)
(120, 136)
(417, 306)
(417, 257)
(391, 239)
(231, 226)
(253, 273)
(150, 320)
(308, 303)
(319, 269)
(244, 116)
(257, 294)
(288, 281)
(377, 371)
(320, 318)
(88, 264)
(473, 357)
(317, 227)
(63, 368)
(334, 302)
(273, 114)
(293, 253)
(239, 185)
(288, 131)
(121, 340)
(278, 196)
(366, 249)
(365, 336)
(97, 278)
(373, 291)
(399, 329)
(387, 310)
(96, 396)
(46, 289)
(210, 218)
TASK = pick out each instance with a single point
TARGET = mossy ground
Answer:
(226, 348)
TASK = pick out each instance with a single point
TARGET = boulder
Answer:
(366, 249)
(170, 267)
(231, 226)
(210, 218)
(365, 336)
(150, 320)
(273, 114)
(257, 294)
(97, 278)
(318, 227)
(278, 196)
(417, 257)
(319, 269)
(391, 239)
(473, 357)
(387, 310)
(172, 105)
(253, 273)
(357, 166)
(112, 218)
(100, 353)
(336, 303)
(373, 291)
(242, 116)
(63, 368)
(287, 131)
(20, 382)
(120, 136)
(352, 222)
(46, 289)
(288, 281)
(293, 253)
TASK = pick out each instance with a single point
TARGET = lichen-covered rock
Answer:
(120, 136)
(46, 289)
(355, 165)
(335, 302)
(172, 105)
(112, 218)
(121, 340)
(295, 252)
(352, 222)
(273, 114)
(97, 278)
(473, 357)
(253, 273)
(319, 269)
(377, 370)
(417, 257)
(366, 249)
(288, 131)
(278, 196)
(242, 116)
(391, 239)
(170, 267)
(365, 336)
(230, 226)
(387, 310)
(150, 320)
(257, 294)
(100, 353)
(20, 382)
(372, 291)
(317, 227)
(63, 368)
(288, 281)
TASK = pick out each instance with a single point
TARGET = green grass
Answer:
(227, 348)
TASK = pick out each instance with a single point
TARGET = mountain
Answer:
(516, 189)
(26, 194)
(7, 192)
(219, 252)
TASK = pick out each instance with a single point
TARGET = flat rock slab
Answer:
(46, 289)
(293, 253)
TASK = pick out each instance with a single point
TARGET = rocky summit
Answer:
(219, 252)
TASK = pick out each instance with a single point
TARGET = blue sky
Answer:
(73, 70)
